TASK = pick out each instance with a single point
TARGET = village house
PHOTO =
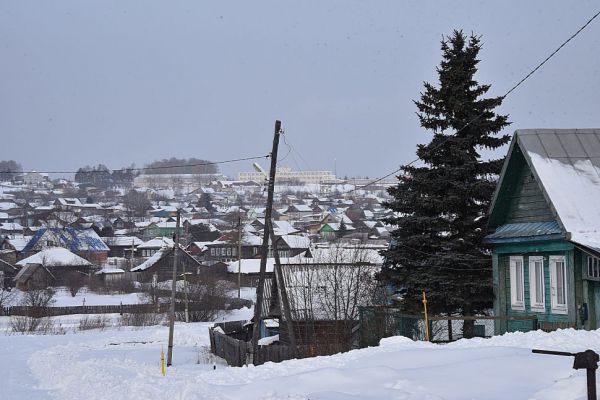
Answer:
(48, 267)
(545, 230)
(159, 267)
(149, 248)
(83, 242)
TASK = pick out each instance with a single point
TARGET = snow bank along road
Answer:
(124, 364)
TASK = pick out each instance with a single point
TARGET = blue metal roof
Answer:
(70, 238)
(526, 231)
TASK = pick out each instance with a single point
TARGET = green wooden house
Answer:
(545, 230)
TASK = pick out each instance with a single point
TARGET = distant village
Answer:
(120, 233)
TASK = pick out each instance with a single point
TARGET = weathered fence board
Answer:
(112, 309)
(235, 351)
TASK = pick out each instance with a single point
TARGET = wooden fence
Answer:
(113, 309)
(236, 351)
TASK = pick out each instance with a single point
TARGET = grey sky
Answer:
(120, 82)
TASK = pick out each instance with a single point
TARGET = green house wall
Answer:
(502, 304)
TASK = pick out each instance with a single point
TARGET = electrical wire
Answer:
(519, 83)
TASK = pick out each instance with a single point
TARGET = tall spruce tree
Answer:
(440, 207)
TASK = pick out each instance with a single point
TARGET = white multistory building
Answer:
(285, 174)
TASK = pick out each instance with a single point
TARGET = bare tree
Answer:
(7, 297)
(332, 287)
(74, 281)
(208, 296)
(37, 320)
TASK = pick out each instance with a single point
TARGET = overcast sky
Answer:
(121, 82)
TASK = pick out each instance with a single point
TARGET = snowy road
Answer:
(124, 364)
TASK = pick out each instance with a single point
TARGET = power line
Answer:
(519, 83)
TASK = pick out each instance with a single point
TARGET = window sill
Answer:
(540, 309)
(516, 307)
(559, 311)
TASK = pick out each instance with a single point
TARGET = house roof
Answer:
(156, 257)
(157, 243)
(566, 164)
(151, 261)
(55, 257)
(525, 231)
(122, 241)
(27, 271)
(19, 243)
(296, 241)
(71, 238)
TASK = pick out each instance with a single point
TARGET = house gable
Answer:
(519, 198)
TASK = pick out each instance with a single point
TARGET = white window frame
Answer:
(593, 268)
(556, 307)
(536, 283)
(517, 292)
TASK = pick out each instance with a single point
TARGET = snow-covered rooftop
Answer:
(566, 163)
(55, 257)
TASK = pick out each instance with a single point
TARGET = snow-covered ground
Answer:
(124, 363)
(85, 297)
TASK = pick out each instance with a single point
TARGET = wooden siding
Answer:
(527, 202)
(504, 301)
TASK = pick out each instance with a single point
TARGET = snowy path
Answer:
(124, 364)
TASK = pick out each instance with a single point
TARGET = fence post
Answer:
(426, 321)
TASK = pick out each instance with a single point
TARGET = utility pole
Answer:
(287, 313)
(185, 293)
(239, 256)
(173, 291)
(131, 258)
(265, 245)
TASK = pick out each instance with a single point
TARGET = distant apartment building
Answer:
(175, 181)
(285, 174)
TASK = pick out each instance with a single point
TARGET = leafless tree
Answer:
(37, 320)
(74, 281)
(207, 296)
(7, 297)
(333, 287)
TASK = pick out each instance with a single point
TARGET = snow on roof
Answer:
(69, 201)
(74, 239)
(55, 257)
(300, 208)
(344, 254)
(296, 241)
(122, 241)
(10, 226)
(251, 265)
(283, 228)
(157, 243)
(5, 205)
(110, 270)
(567, 165)
(19, 243)
(150, 262)
(251, 240)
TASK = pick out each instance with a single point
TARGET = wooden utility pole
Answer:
(265, 245)
(185, 294)
(239, 256)
(287, 313)
(173, 291)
